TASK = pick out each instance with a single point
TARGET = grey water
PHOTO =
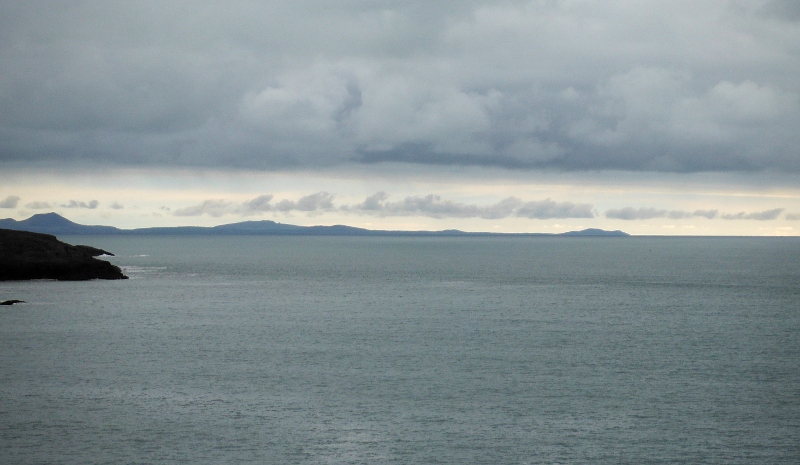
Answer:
(339, 350)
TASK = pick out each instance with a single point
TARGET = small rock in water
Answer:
(12, 302)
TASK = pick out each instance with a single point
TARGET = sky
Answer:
(664, 117)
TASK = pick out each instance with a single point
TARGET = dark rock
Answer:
(27, 255)
(94, 251)
(12, 302)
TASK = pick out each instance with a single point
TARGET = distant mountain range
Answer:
(57, 225)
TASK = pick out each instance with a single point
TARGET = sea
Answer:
(409, 350)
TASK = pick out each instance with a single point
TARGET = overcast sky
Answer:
(655, 117)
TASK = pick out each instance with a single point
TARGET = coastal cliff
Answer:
(27, 255)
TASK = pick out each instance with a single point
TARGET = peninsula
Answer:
(28, 255)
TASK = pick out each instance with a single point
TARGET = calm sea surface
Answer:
(314, 350)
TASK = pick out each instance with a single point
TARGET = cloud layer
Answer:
(434, 206)
(637, 85)
(630, 213)
(9, 202)
(92, 204)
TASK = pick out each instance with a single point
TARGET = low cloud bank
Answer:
(38, 205)
(317, 202)
(91, 205)
(12, 201)
(547, 209)
(321, 201)
(434, 206)
(630, 213)
(9, 202)
(766, 215)
(258, 204)
(214, 207)
(377, 204)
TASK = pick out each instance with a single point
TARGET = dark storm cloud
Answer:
(91, 205)
(653, 85)
(787, 10)
(9, 202)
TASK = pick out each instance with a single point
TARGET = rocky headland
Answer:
(28, 255)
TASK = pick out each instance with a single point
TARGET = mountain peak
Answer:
(49, 220)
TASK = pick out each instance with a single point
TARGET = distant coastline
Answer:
(55, 224)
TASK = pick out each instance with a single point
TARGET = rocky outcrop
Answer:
(94, 251)
(27, 255)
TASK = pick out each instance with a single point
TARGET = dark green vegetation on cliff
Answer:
(29, 255)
